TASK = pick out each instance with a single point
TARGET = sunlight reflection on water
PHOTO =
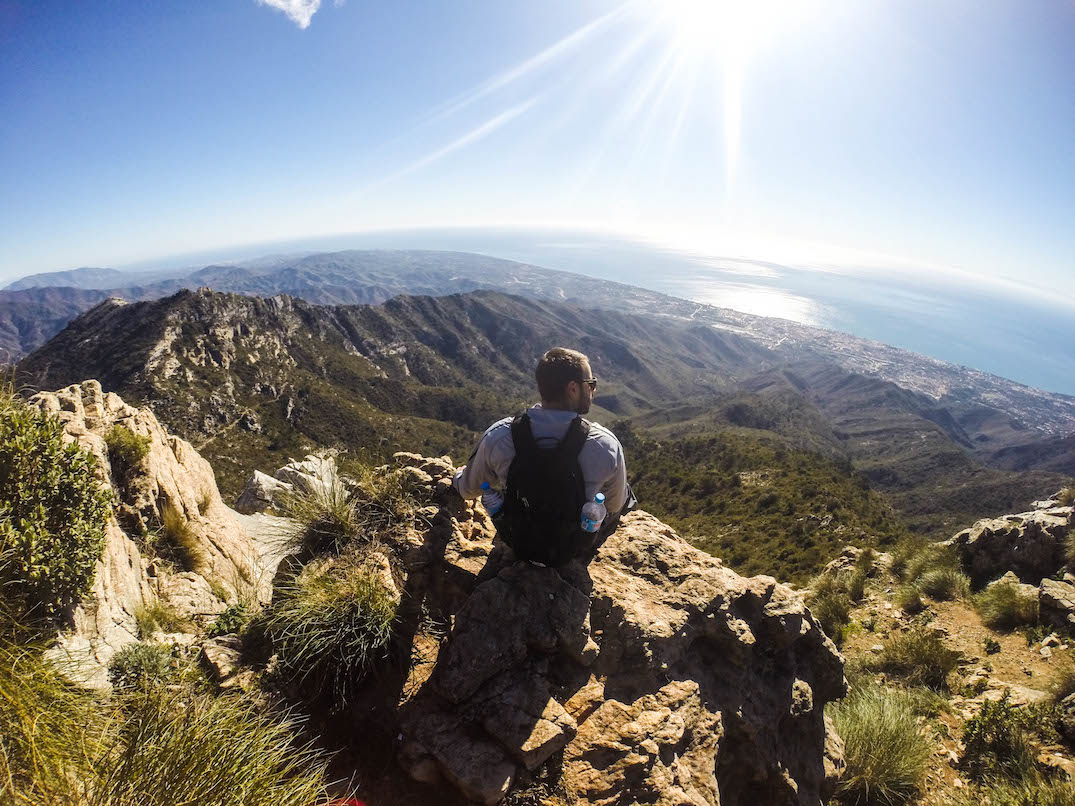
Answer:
(759, 300)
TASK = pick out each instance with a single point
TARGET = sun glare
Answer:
(721, 37)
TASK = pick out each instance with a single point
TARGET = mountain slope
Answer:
(437, 370)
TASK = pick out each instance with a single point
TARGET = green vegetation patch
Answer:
(53, 511)
(1003, 606)
(884, 747)
(919, 657)
(140, 665)
(126, 449)
(331, 625)
(184, 747)
(760, 505)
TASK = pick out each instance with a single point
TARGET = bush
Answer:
(831, 606)
(884, 747)
(126, 449)
(908, 599)
(991, 646)
(1003, 606)
(139, 665)
(944, 584)
(232, 620)
(1033, 792)
(906, 550)
(931, 558)
(53, 512)
(189, 748)
(995, 744)
(1067, 496)
(330, 626)
(919, 657)
(1063, 682)
(329, 516)
(159, 616)
(177, 531)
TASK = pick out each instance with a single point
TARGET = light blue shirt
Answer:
(601, 458)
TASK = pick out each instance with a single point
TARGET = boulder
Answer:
(651, 675)
(315, 475)
(173, 476)
(222, 656)
(261, 492)
(1030, 545)
(1056, 604)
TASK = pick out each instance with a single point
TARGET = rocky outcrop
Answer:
(172, 477)
(653, 674)
(1031, 545)
(1056, 604)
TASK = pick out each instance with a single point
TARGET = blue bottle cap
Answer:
(599, 498)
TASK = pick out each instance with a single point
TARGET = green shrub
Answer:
(325, 515)
(919, 657)
(930, 558)
(53, 512)
(995, 744)
(856, 584)
(866, 560)
(159, 616)
(330, 626)
(884, 747)
(1003, 606)
(232, 620)
(181, 538)
(908, 599)
(138, 665)
(1063, 682)
(831, 606)
(991, 646)
(191, 748)
(126, 449)
(906, 550)
(944, 584)
(1035, 791)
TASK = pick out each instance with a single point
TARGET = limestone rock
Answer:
(1030, 545)
(261, 492)
(1056, 603)
(190, 595)
(315, 474)
(660, 675)
(173, 476)
(222, 656)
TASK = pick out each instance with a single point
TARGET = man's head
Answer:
(565, 380)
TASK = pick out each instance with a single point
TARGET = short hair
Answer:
(556, 369)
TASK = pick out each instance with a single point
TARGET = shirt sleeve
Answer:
(484, 464)
(615, 489)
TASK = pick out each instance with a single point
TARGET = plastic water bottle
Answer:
(593, 513)
(492, 500)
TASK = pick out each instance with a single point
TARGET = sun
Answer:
(720, 38)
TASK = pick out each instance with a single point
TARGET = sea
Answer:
(1025, 337)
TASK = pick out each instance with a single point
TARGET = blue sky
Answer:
(915, 134)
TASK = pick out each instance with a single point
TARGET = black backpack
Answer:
(542, 514)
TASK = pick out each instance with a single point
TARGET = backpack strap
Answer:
(571, 445)
(522, 435)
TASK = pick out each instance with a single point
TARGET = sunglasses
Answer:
(591, 382)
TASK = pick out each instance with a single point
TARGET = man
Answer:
(566, 385)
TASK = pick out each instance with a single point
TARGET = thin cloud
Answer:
(473, 136)
(522, 69)
(299, 12)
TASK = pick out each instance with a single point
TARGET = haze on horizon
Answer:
(897, 133)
